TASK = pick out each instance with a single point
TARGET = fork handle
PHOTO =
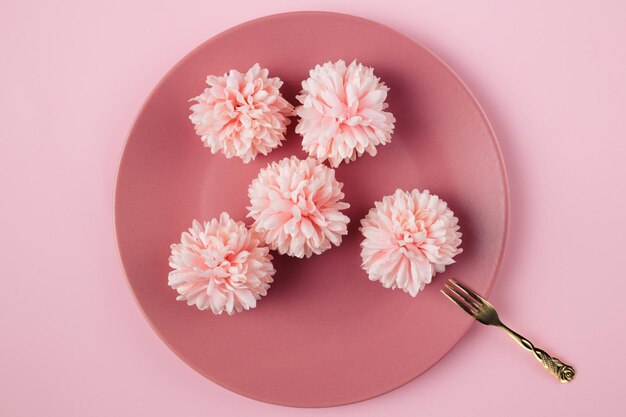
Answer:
(562, 371)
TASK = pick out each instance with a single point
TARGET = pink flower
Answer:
(296, 206)
(408, 238)
(242, 114)
(342, 113)
(220, 265)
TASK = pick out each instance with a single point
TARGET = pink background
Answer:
(550, 76)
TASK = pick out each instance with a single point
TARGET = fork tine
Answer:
(466, 297)
(459, 303)
(467, 291)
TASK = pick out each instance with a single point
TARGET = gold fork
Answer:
(479, 308)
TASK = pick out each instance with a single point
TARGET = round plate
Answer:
(325, 335)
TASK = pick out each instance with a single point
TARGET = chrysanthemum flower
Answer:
(409, 237)
(220, 265)
(242, 115)
(296, 206)
(342, 112)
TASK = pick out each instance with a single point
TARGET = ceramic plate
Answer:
(325, 335)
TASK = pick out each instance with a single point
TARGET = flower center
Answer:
(411, 237)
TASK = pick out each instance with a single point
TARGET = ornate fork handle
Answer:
(562, 371)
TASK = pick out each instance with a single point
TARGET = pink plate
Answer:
(325, 335)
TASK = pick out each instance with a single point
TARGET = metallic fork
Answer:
(479, 308)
